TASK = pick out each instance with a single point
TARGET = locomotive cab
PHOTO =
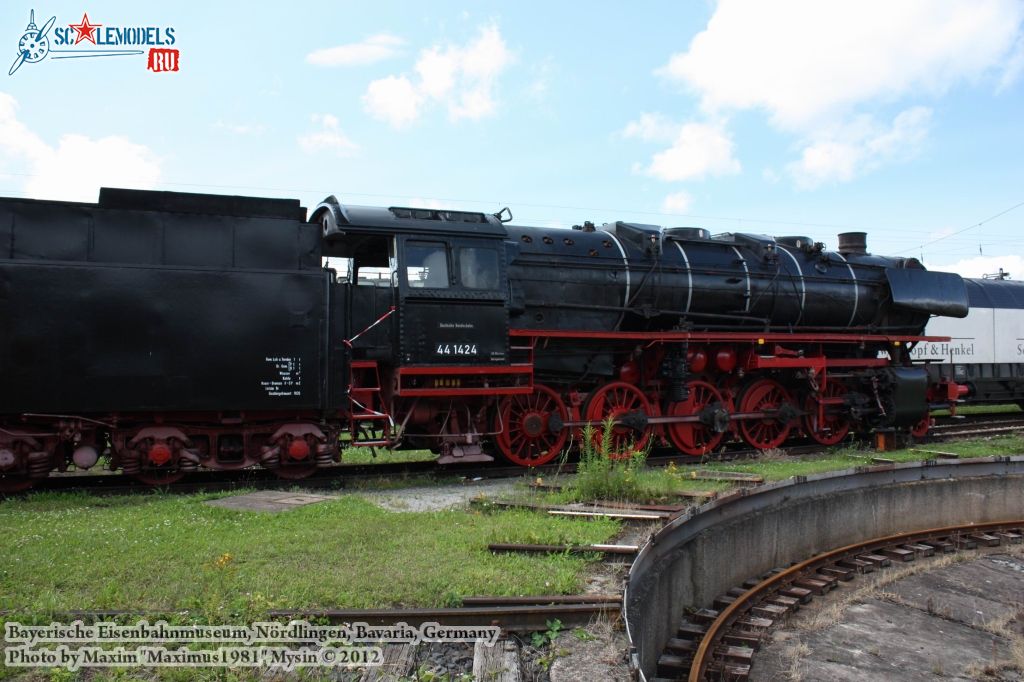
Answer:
(438, 278)
(432, 322)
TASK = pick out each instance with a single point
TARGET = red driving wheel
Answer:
(765, 433)
(921, 428)
(695, 438)
(620, 400)
(831, 427)
(526, 436)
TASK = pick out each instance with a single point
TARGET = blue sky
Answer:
(899, 119)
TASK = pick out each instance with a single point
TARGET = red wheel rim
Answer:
(835, 425)
(765, 433)
(695, 438)
(921, 428)
(616, 400)
(526, 437)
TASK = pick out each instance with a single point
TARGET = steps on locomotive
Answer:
(365, 406)
(522, 356)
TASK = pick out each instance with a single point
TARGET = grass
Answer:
(779, 468)
(361, 455)
(599, 474)
(160, 554)
(660, 485)
(1007, 408)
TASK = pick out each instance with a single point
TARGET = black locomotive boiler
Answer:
(176, 331)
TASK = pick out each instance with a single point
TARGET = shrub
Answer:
(603, 472)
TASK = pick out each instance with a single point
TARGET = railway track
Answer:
(981, 425)
(692, 609)
(720, 643)
(511, 614)
(946, 428)
(339, 475)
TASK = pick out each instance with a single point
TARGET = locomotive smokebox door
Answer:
(453, 306)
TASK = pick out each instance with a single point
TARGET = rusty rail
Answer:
(714, 635)
(655, 599)
(510, 618)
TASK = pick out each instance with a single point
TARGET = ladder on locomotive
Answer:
(367, 414)
(521, 353)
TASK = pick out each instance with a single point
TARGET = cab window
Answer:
(478, 268)
(426, 265)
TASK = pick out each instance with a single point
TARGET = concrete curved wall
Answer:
(718, 546)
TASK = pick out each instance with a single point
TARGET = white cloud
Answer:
(841, 153)
(393, 99)
(979, 266)
(805, 61)
(464, 77)
(374, 49)
(678, 202)
(697, 149)
(437, 70)
(652, 128)
(328, 137)
(78, 165)
(825, 71)
(1014, 65)
(15, 137)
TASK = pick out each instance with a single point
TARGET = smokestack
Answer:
(855, 243)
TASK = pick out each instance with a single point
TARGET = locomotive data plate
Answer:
(435, 333)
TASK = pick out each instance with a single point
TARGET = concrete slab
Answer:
(268, 501)
(930, 627)
(974, 593)
(438, 497)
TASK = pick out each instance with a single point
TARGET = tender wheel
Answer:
(628, 405)
(529, 436)
(158, 455)
(22, 463)
(834, 425)
(296, 450)
(698, 438)
(921, 428)
(765, 433)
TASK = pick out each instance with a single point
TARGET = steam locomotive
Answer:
(175, 331)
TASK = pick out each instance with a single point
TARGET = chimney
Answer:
(855, 243)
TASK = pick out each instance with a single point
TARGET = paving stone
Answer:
(268, 501)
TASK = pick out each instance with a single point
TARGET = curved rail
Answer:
(692, 560)
(733, 612)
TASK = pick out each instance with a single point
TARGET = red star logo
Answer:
(85, 30)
